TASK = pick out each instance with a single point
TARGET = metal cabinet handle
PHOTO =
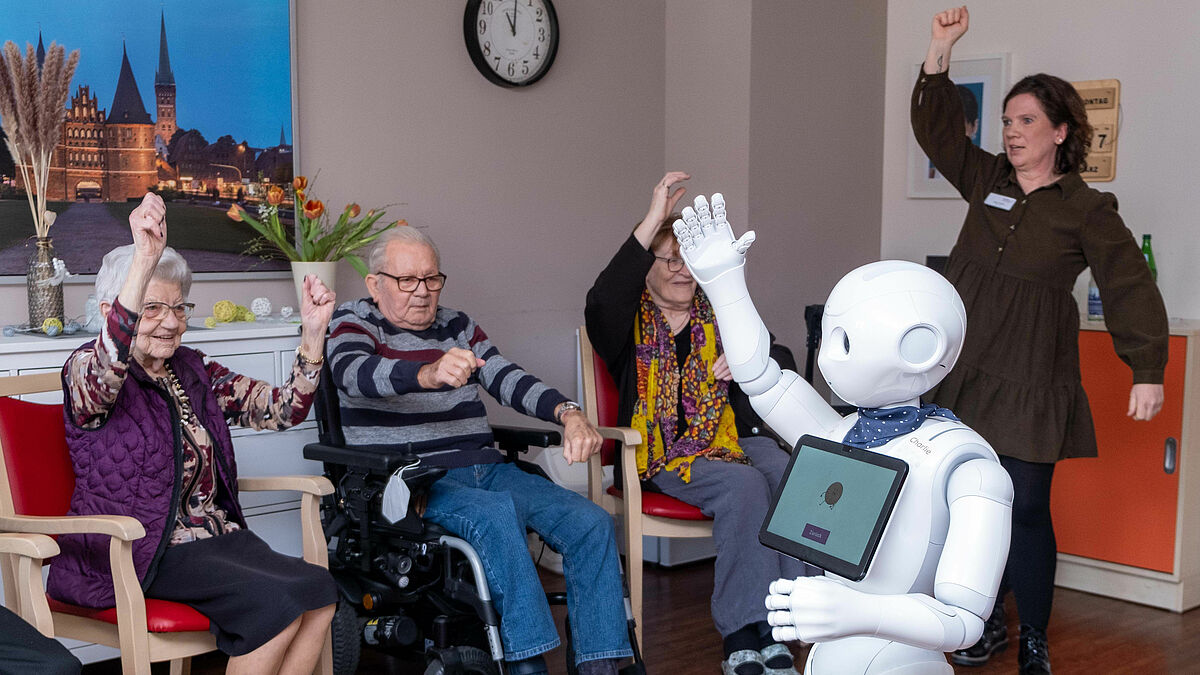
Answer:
(1169, 455)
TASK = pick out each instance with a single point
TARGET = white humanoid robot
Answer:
(891, 331)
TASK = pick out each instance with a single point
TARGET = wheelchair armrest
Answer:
(377, 460)
(520, 438)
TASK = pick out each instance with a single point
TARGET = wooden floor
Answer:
(1088, 635)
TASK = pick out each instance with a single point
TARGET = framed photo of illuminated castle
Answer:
(191, 100)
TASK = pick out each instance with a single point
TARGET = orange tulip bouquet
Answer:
(315, 239)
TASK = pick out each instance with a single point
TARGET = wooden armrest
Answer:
(29, 545)
(628, 436)
(125, 528)
(313, 485)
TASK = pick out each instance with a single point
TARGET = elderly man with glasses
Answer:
(406, 368)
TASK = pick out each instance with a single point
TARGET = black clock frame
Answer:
(475, 50)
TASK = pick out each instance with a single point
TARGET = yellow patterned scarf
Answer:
(710, 431)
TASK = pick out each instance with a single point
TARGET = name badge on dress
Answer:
(1000, 201)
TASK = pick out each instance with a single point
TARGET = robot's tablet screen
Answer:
(832, 505)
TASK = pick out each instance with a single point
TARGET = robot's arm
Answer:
(980, 494)
(816, 609)
(787, 403)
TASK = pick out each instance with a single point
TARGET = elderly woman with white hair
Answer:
(147, 424)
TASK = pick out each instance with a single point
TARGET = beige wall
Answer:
(760, 108)
(815, 150)
(1149, 46)
(527, 192)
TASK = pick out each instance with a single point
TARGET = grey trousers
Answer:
(736, 497)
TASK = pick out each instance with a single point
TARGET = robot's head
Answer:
(891, 331)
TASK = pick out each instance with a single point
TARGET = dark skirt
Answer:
(249, 592)
(1017, 382)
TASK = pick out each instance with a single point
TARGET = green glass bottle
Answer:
(1149, 254)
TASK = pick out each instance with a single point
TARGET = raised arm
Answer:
(948, 27)
(936, 110)
(612, 302)
(787, 403)
(94, 375)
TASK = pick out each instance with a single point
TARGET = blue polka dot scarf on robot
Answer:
(877, 426)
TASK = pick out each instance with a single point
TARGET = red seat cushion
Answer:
(162, 616)
(658, 504)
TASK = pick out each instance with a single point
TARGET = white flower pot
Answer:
(325, 271)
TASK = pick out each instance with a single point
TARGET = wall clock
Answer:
(511, 42)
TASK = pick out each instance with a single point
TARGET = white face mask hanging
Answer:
(397, 495)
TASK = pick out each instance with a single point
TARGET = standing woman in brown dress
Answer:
(1031, 228)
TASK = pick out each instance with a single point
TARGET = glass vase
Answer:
(45, 299)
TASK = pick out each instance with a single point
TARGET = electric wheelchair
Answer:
(411, 587)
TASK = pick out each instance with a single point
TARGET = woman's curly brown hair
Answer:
(1061, 103)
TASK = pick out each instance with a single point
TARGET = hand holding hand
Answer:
(817, 609)
(148, 224)
(580, 438)
(1145, 400)
(950, 25)
(706, 240)
(453, 369)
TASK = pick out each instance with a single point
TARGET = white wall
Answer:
(1149, 46)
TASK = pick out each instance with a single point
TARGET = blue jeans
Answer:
(490, 506)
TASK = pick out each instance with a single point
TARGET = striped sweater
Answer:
(375, 364)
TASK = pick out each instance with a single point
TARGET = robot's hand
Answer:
(706, 240)
(816, 609)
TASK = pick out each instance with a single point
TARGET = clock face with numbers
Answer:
(511, 42)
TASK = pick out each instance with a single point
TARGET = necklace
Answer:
(176, 388)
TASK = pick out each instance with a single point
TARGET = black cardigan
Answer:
(610, 313)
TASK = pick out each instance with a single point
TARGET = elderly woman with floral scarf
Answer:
(656, 333)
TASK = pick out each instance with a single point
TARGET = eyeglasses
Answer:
(158, 310)
(673, 264)
(409, 284)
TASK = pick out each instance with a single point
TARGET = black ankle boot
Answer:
(1033, 657)
(993, 640)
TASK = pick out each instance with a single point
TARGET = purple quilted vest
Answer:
(129, 466)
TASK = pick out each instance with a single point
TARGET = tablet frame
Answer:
(801, 551)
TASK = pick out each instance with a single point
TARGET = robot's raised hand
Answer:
(706, 240)
(816, 609)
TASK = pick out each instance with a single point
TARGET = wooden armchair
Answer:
(36, 484)
(650, 514)
(21, 557)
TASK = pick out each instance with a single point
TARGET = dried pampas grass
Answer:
(32, 109)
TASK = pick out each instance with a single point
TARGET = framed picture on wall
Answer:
(191, 100)
(982, 82)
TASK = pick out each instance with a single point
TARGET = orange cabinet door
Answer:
(1121, 506)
